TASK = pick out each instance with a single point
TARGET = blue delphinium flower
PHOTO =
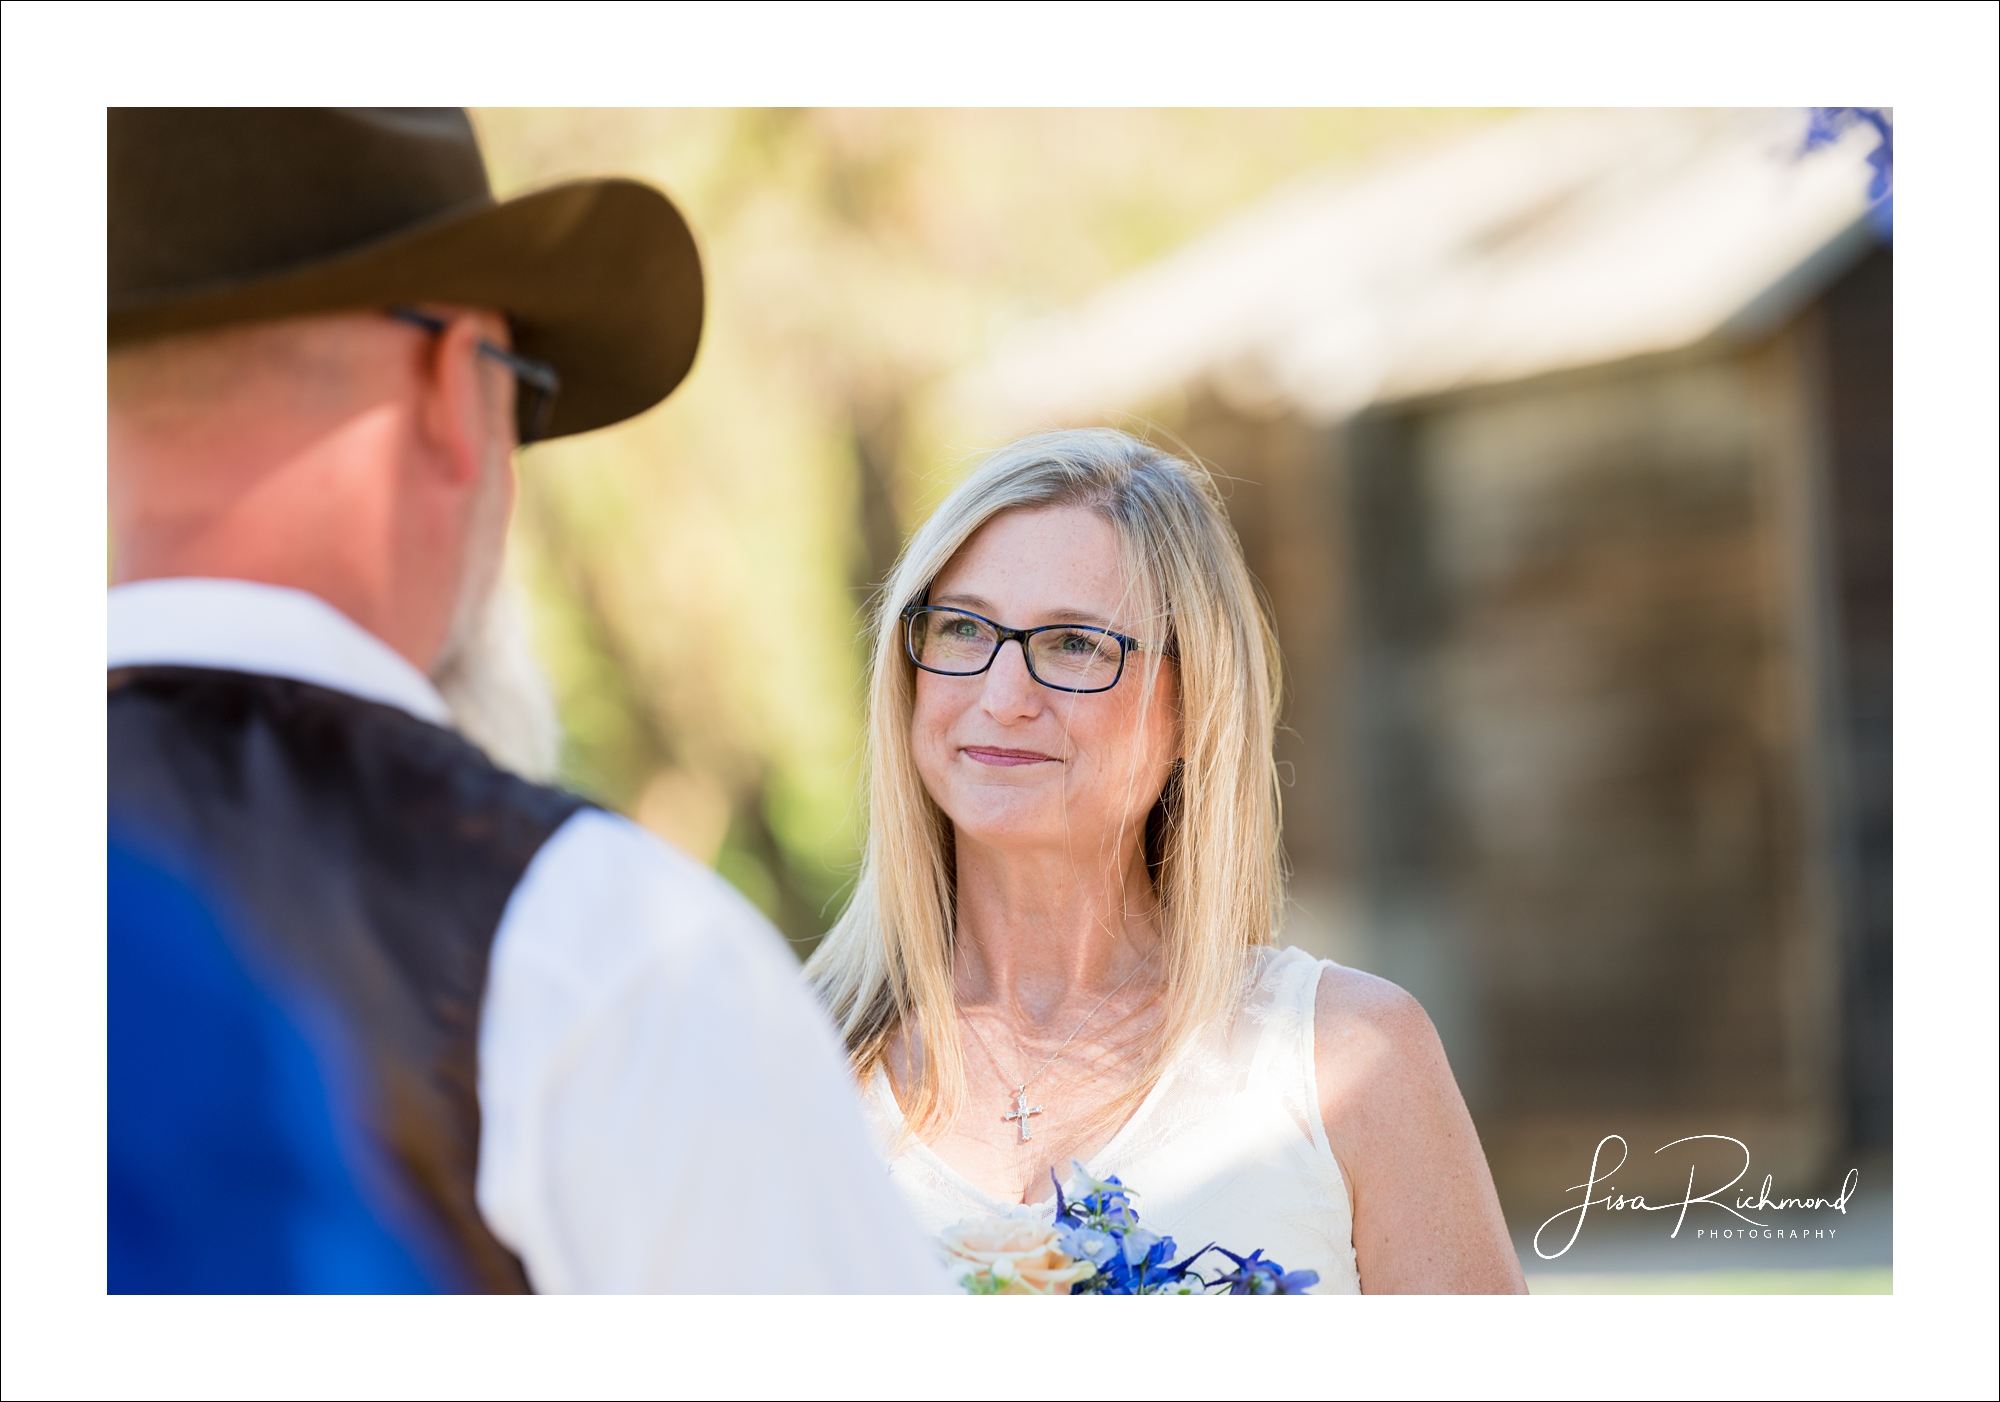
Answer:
(1107, 1199)
(1100, 1226)
(1085, 1243)
(1256, 1276)
(1157, 1273)
(1828, 124)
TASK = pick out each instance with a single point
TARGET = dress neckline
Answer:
(880, 1085)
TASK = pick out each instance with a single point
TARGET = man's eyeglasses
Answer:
(1061, 656)
(537, 383)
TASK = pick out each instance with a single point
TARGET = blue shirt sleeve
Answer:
(231, 1169)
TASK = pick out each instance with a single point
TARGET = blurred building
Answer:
(1563, 451)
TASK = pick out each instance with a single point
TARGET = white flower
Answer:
(1013, 1256)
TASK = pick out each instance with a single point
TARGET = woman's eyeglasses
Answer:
(537, 383)
(1061, 656)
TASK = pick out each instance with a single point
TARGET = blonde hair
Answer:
(1211, 839)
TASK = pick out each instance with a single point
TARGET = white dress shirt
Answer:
(663, 1105)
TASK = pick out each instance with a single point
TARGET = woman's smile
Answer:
(1003, 758)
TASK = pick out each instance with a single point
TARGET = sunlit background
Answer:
(1560, 442)
(856, 260)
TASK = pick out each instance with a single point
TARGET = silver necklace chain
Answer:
(1022, 1111)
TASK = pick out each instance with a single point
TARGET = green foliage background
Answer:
(697, 575)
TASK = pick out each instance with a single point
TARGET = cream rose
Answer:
(1012, 1256)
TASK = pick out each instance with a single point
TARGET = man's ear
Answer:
(465, 398)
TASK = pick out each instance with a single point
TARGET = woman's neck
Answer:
(1038, 933)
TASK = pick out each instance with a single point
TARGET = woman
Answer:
(1060, 947)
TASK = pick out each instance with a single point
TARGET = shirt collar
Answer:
(237, 626)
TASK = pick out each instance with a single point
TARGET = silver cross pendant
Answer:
(1022, 1110)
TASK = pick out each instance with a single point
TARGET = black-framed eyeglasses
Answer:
(538, 384)
(1061, 656)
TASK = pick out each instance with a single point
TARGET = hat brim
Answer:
(600, 278)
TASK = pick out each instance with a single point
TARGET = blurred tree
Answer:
(698, 576)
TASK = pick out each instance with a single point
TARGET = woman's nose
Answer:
(1010, 689)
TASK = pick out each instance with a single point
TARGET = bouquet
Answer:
(1096, 1246)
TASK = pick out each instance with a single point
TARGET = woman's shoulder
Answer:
(1344, 1002)
(1373, 1042)
(1347, 1001)
(1359, 1034)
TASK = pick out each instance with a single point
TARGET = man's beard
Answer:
(499, 696)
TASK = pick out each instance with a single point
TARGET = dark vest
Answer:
(367, 856)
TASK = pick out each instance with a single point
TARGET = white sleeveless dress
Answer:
(1227, 1148)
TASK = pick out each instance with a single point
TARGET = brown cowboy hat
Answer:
(227, 215)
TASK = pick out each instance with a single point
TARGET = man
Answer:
(553, 1053)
